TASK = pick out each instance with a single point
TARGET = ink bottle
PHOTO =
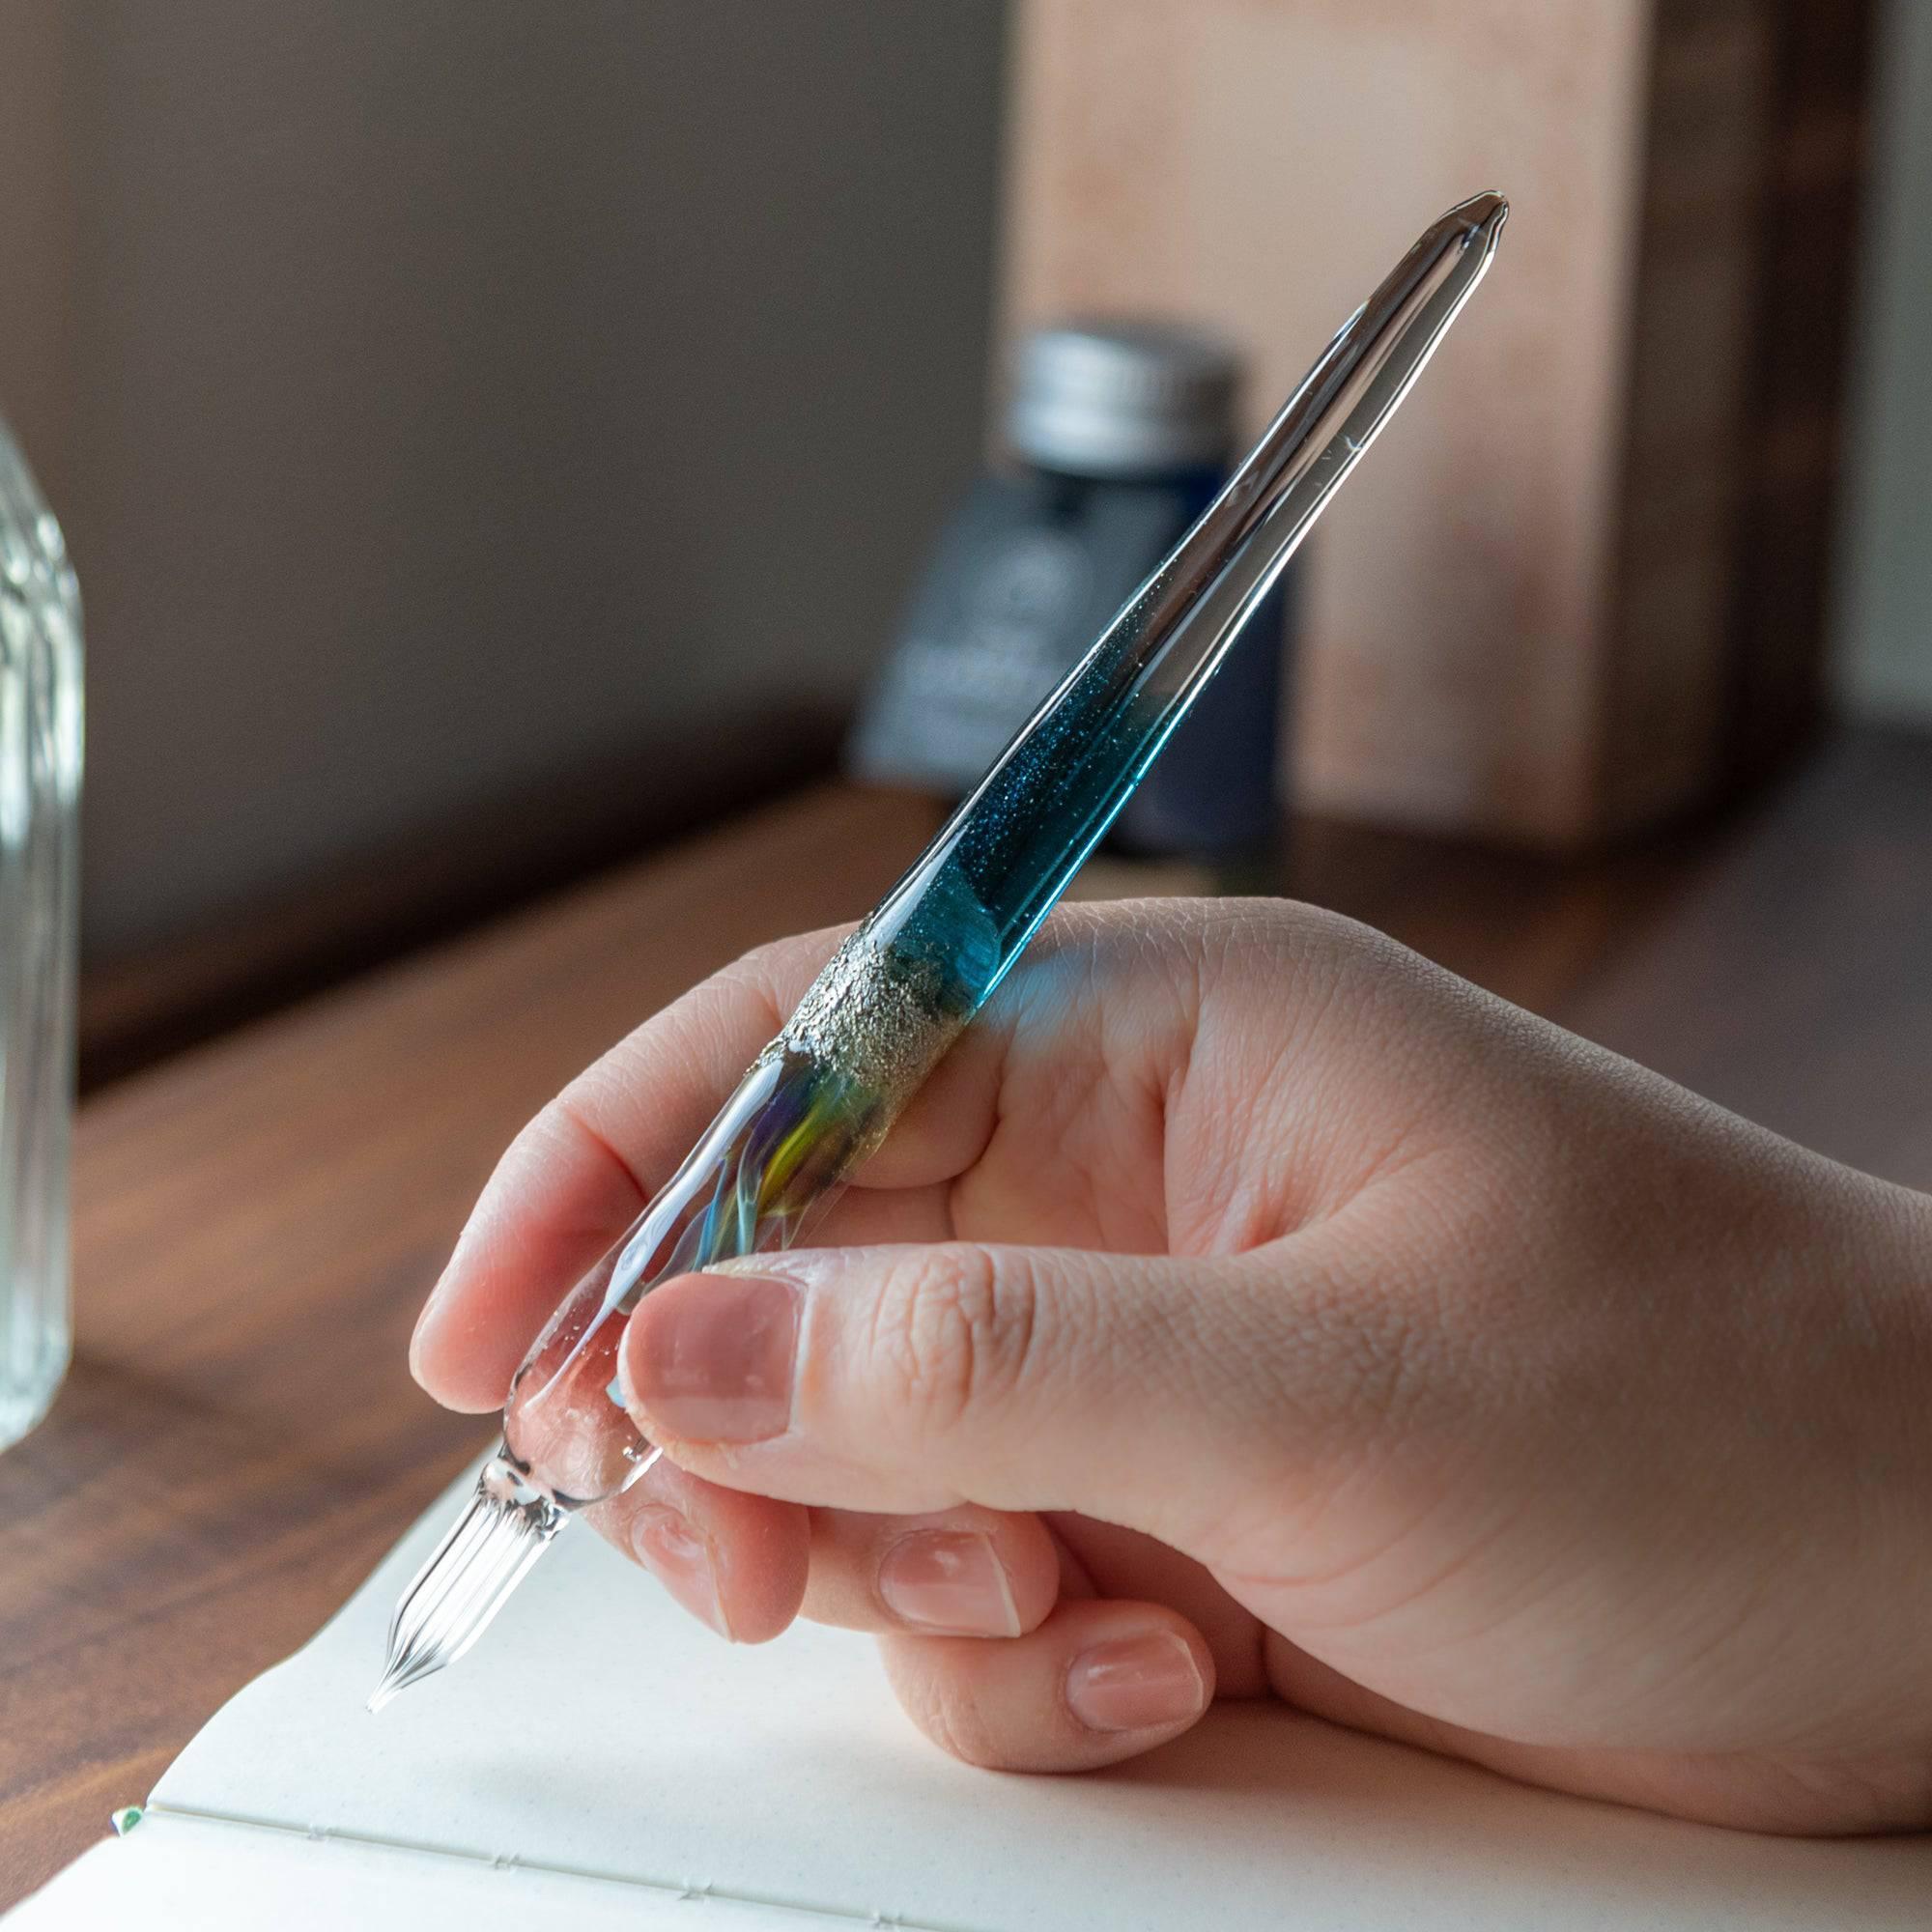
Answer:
(1116, 435)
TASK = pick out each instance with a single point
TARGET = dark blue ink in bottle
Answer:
(1115, 437)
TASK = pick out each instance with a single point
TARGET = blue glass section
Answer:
(965, 912)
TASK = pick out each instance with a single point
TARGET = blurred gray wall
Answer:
(440, 395)
(1885, 603)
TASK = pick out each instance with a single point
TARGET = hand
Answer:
(1248, 1308)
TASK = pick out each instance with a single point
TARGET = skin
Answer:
(1248, 1308)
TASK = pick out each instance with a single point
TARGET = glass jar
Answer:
(39, 793)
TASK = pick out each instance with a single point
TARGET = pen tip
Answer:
(1482, 213)
(488, 1549)
(402, 1669)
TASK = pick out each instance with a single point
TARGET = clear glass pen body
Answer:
(900, 991)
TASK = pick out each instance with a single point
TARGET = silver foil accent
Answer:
(875, 1016)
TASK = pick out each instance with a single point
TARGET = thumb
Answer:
(1150, 1390)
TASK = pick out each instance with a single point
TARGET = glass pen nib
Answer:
(486, 1554)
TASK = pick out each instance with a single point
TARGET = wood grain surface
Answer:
(256, 1221)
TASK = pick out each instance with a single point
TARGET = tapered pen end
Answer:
(1481, 217)
(1489, 208)
(486, 1553)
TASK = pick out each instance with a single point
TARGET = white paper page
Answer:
(185, 1875)
(597, 1732)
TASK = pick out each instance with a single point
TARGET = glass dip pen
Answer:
(900, 991)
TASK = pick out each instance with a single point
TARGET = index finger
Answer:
(581, 1172)
(577, 1175)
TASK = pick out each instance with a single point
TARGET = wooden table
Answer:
(256, 1222)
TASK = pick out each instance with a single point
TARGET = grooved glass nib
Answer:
(486, 1554)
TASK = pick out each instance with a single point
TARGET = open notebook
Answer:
(599, 1760)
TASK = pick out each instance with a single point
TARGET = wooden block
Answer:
(1523, 618)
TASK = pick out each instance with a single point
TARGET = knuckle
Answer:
(562, 1126)
(953, 1333)
(576, 1124)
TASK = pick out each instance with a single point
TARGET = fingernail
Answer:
(717, 1361)
(682, 1561)
(1135, 1683)
(949, 1581)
